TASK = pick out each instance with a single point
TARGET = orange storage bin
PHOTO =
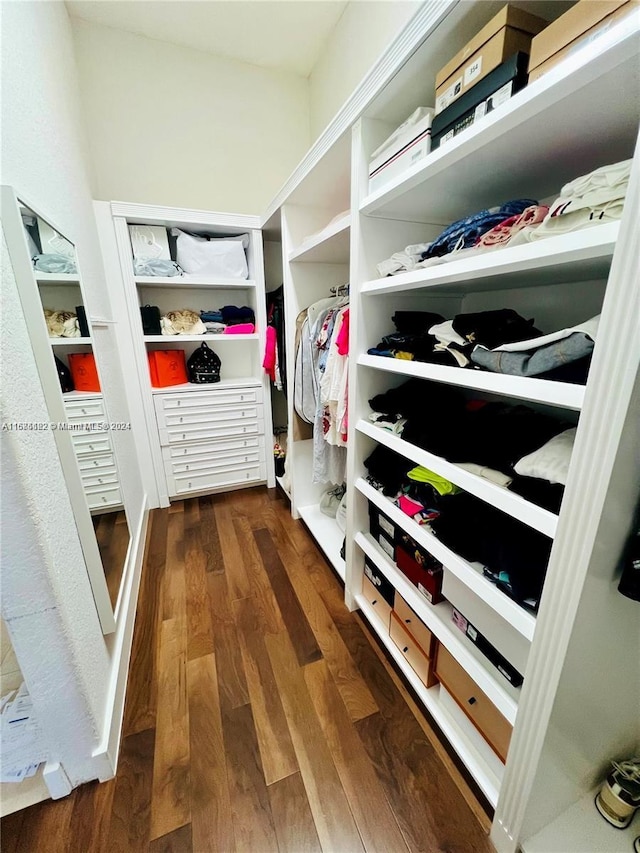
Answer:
(167, 367)
(84, 371)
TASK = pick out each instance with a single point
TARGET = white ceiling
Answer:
(288, 35)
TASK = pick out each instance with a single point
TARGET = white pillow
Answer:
(222, 257)
(551, 461)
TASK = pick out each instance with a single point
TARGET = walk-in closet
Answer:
(320, 452)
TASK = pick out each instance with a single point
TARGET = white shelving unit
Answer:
(221, 426)
(70, 342)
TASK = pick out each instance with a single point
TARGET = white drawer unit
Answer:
(94, 453)
(211, 439)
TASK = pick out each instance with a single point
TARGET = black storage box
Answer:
(375, 576)
(488, 650)
(383, 530)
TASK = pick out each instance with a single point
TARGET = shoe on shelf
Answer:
(330, 500)
(619, 797)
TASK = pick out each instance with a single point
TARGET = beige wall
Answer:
(173, 126)
(360, 36)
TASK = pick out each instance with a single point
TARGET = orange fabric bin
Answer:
(83, 371)
(167, 367)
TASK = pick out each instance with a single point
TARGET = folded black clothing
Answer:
(415, 322)
(479, 532)
(540, 492)
(419, 398)
(494, 328)
(495, 435)
(577, 372)
(232, 315)
(388, 468)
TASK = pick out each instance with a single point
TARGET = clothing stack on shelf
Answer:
(585, 201)
(228, 320)
(275, 354)
(62, 324)
(158, 251)
(321, 384)
(499, 341)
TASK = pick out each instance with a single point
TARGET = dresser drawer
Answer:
(89, 409)
(207, 399)
(377, 602)
(99, 462)
(213, 462)
(210, 431)
(185, 483)
(101, 477)
(210, 416)
(476, 705)
(414, 625)
(86, 444)
(223, 445)
(98, 496)
(412, 652)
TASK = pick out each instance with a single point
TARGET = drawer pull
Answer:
(95, 461)
(189, 484)
(179, 403)
(181, 419)
(472, 701)
(374, 602)
(84, 411)
(408, 621)
(184, 435)
(91, 447)
(186, 467)
(406, 649)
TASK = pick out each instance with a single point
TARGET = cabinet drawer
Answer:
(101, 477)
(184, 483)
(412, 652)
(377, 602)
(98, 496)
(213, 462)
(226, 445)
(210, 416)
(84, 409)
(93, 442)
(205, 432)
(414, 625)
(480, 710)
(99, 462)
(207, 399)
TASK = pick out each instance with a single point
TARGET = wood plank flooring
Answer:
(261, 715)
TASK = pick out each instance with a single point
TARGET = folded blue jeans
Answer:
(534, 362)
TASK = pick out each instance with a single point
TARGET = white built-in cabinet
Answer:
(210, 437)
(578, 705)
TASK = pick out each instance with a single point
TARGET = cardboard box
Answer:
(510, 31)
(583, 23)
(496, 88)
(379, 582)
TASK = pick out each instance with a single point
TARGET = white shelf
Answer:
(438, 619)
(56, 278)
(81, 395)
(247, 382)
(171, 339)
(511, 153)
(581, 256)
(194, 281)
(70, 342)
(330, 246)
(562, 394)
(476, 754)
(327, 534)
(534, 516)
(20, 795)
(470, 575)
(280, 482)
(581, 829)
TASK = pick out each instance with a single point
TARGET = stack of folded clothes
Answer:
(514, 556)
(229, 320)
(585, 201)
(500, 341)
(495, 438)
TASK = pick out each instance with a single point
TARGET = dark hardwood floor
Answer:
(260, 715)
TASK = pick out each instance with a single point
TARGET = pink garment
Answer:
(269, 362)
(342, 338)
(409, 506)
(500, 234)
(241, 329)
